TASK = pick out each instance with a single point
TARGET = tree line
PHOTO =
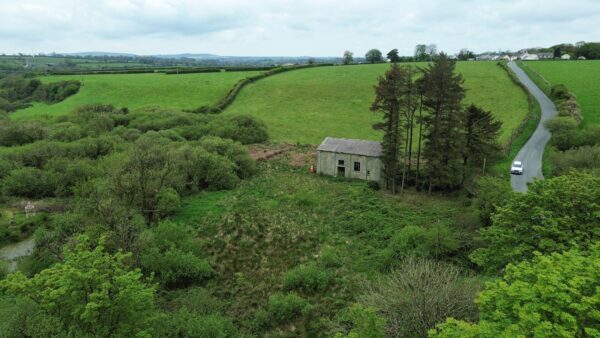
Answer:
(452, 141)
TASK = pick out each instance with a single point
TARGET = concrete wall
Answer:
(370, 167)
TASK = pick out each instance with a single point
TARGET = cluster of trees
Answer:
(121, 174)
(18, 92)
(452, 140)
(589, 50)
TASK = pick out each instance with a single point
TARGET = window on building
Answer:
(340, 162)
(356, 166)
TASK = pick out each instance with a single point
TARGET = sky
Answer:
(291, 28)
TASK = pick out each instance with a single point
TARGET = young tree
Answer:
(443, 93)
(421, 52)
(388, 101)
(393, 55)
(481, 132)
(553, 216)
(348, 57)
(374, 56)
(90, 294)
(465, 55)
(550, 296)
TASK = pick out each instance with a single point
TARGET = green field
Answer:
(186, 91)
(307, 105)
(581, 77)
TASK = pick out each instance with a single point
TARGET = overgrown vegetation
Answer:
(18, 92)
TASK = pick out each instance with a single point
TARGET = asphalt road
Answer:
(532, 151)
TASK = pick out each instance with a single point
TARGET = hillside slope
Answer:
(581, 77)
(185, 91)
(307, 105)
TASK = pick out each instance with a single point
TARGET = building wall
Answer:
(370, 167)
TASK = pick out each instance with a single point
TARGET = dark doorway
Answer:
(341, 172)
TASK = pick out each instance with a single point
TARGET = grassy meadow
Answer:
(581, 77)
(185, 91)
(306, 105)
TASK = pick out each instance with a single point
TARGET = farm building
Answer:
(529, 57)
(566, 57)
(349, 158)
(546, 56)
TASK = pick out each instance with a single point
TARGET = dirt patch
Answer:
(261, 152)
(302, 159)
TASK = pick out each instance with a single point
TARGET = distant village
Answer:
(524, 55)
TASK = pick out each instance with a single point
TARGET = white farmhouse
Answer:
(565, 57)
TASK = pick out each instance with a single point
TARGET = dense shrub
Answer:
(183, 323)
(205, 170)
(244, 129)
(553, 216)
(18, 133)
(492, 193)
(552, 295)
(170, 252)
(419, 294)
(65, 132)
(235, 152)
(416, 241)
(306, 277)
(582, 158)
(283, 308)
(564, 132)
(29, 182)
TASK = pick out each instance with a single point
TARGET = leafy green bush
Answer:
(283, 308)
(183, 323)
(244, 129)
(492, 193)
(555, 215)
(553, 295)
(306, 277)
(18, 133)
(29, 182)
(416, 241)
(170, 252)
(365, 323)
(238, 154)
(563, 130)
(582, 158)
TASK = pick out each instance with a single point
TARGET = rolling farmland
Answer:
(186, 91)
(581, 77)
(307, 105)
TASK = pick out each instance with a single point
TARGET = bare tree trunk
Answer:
(420, 141)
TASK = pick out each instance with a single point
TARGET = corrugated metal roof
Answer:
(350, 146)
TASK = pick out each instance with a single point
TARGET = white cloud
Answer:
(286, 27)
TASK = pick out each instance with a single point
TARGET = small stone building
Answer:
(349, 158)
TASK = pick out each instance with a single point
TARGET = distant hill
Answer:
(110, 54)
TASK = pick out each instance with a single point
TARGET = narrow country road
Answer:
(532, 151)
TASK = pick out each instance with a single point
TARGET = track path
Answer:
(532, 151)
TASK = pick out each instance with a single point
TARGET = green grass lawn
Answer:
(186, 91)
(307, 105)
(581, 77)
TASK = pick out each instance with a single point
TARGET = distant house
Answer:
(565, 57)
(581, 58)
(529, 57)
(350, 158)
(546, 56)
(506, 57)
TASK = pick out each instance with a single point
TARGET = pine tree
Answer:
(443, 93)
(388, 100)
(481, 131)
